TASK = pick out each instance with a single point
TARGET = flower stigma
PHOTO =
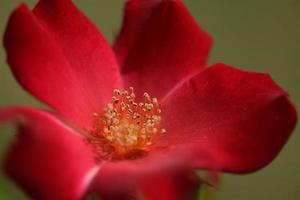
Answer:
(127, 129)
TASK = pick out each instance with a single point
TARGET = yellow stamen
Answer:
(129, 127)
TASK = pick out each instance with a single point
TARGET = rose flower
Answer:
(133, 121)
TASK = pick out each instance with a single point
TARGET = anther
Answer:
(130, 126)
(117, 92)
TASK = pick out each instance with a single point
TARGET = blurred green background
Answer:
(260, 35)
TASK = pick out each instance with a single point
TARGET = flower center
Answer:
(129, 128)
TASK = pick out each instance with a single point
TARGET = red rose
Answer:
(105, 135)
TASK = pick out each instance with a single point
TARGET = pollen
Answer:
(128, 127)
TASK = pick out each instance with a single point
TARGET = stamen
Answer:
(130, 127)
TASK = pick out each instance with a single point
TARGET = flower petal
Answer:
(61, 58)
(242, 118)
(171, 186)
(159, 44)
(167, 172)
(48, 159)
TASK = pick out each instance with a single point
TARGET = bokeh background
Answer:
(259, 35)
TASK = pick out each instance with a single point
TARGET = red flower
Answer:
(207, 118)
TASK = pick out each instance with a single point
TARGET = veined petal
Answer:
(242, 118)
(61, 58)
(159, 44)
(48, 159)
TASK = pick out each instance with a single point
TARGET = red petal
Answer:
(127, 179)
(61, 58)
(49, 159)
(171, 186)
(242, 118)
(159, 44)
